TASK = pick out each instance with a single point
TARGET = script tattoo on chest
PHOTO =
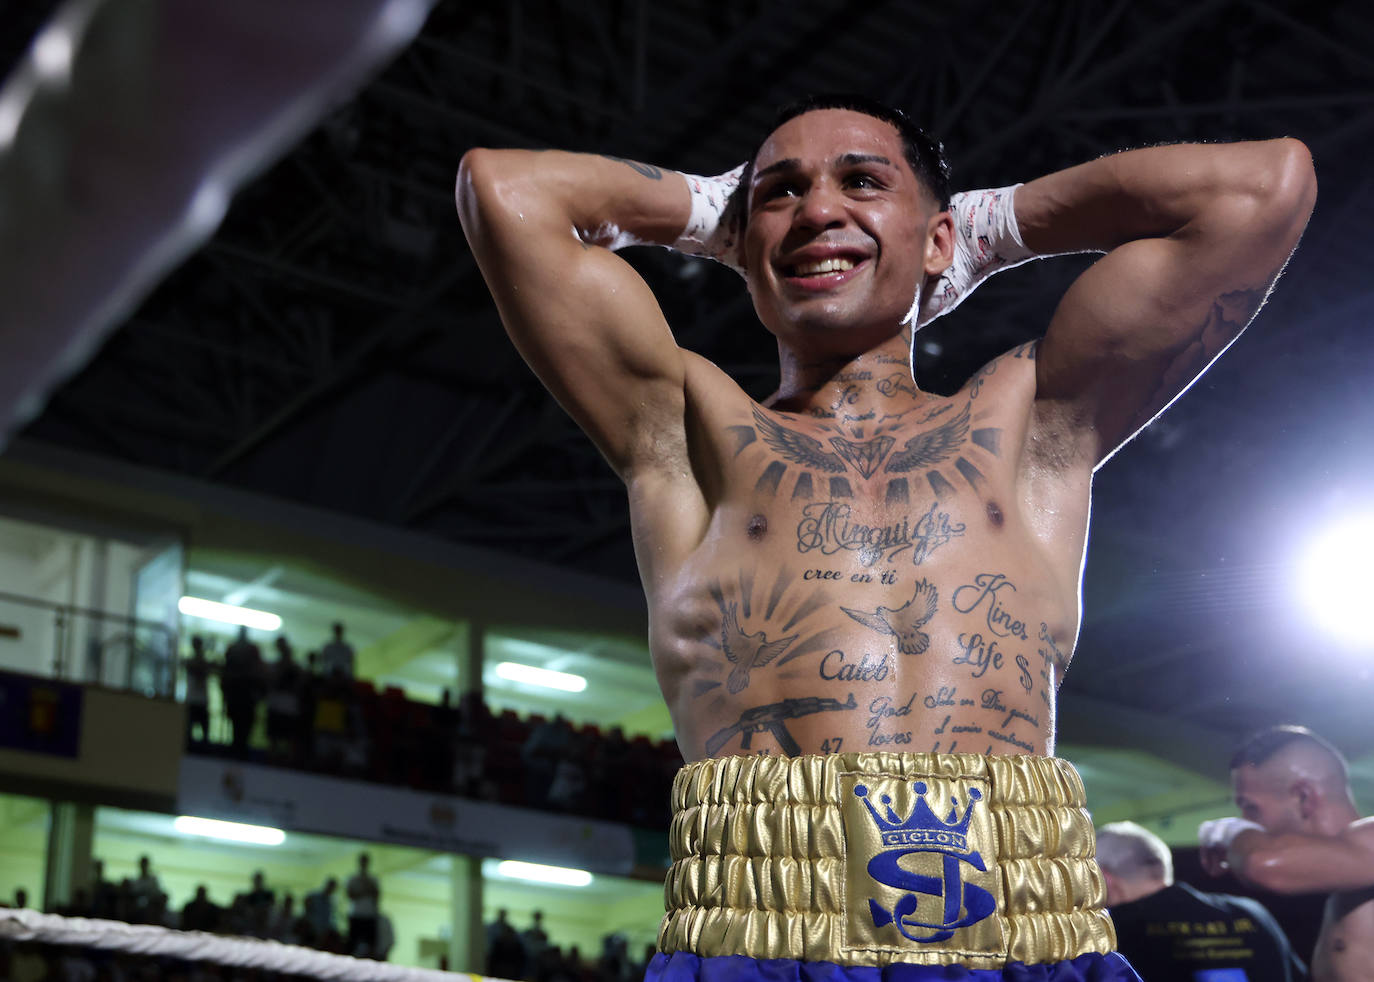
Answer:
(830, 528)
(983, 595)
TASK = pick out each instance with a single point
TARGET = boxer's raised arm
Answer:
(541, 225)
(1295, 863)
(1195, 235)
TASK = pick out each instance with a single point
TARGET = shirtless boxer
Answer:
(856, 567)
(1300, 832)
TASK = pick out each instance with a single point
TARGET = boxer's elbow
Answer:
(1294, 182)
(478, 188)
(1280, 182)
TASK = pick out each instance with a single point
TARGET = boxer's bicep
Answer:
(1297, 863)
(588, 326)
(1140, 325)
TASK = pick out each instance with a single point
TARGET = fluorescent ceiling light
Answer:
(538, 873)
(515, 672)
(210, 828)
(228, 614)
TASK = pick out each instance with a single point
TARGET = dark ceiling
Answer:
(334, 343)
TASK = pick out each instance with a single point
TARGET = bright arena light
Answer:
(209, 610)
(210, 828)
(538, 873)
(1338, 577)
(515, 672)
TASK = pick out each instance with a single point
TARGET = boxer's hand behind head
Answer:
(986, 241)
(715, 228)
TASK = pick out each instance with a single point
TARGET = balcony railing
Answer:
(78, 644)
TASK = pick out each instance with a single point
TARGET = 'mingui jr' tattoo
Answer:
(905, 622)
(828, 526)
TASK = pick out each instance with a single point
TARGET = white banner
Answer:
(285, 799)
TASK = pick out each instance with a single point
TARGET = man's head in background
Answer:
(1289, 779)
(1135, 862)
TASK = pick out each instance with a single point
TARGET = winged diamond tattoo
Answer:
(865, 456)
(933, 446)
(905, 622)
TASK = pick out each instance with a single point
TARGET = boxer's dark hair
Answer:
(924, 153)
(1261, 747)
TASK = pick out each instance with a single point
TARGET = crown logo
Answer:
(922, 828)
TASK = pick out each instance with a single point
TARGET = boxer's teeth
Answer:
(833, 265)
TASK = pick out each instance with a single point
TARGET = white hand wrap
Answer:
(1222, 831)
(706, 233)
(986, 241)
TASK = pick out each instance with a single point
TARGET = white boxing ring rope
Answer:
(151, 940)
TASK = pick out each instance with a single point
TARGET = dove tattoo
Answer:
(746, 651)
(905, 622)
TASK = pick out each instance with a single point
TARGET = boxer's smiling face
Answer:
(839, 231)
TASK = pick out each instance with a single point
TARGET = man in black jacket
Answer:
(1173, 933)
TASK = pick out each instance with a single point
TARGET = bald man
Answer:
(1302, 833)
(1170, 931)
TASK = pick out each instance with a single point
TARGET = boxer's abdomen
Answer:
(817, 626)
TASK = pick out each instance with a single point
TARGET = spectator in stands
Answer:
(364, 893)
(259, 901)
(200, 913)
(607, 775)
(159, 911)
(241, 681)
(535, 939)
(540, 755)
(104, 893)
(198, 671)
(568, 789)
(283, 923)
(145, 889)
(319, 908)
(238, 917)
(505, 953)
(1157, 920)
(284, 702)
(615, 959)
(336, 657)
(473, 721)
(386, 939)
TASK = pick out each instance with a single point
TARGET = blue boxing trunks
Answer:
(884, 867)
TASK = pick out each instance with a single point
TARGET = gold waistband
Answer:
(874, 858)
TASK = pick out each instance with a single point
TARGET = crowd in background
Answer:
(320, 717)
(529, 956)
(257, 911)
(523, 955)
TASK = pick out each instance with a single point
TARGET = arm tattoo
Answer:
(647, 170)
